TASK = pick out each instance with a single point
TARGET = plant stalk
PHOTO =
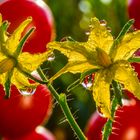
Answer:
(61, 99)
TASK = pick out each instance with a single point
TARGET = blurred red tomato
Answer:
(16, 11)
(125, 127)
(20, 114)
(136, 67)
(40, 133)
(133, 11)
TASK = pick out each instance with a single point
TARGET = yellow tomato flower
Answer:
(13, 63)
(99, 52)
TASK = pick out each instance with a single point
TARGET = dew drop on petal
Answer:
(87, 33)
(103, 23)
(51, 57)
(87, 85)
(136, 73)
(100, 113)
(91, 25)
(109, 29)
(88, 81)
(28, 91)
(105, 35)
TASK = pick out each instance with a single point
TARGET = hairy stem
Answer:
(61, 99)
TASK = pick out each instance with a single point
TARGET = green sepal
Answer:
(107, 130)
(7, 84)
(22, 41)
(117, 92)
(124, 30)
(134, 59)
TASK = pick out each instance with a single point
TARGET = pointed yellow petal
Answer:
(100, 36)
(21, 81)
(80, 57)
(129, 44)
(126, 76)
(73, 67)
(101, 91)
(31, 62)
(75, 50)
(3, 78)
(13, 40)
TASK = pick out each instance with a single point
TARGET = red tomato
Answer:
(16, 11)
(133, 11)
(40, 133)
(136, 67)
(125, 127)
(21, 114)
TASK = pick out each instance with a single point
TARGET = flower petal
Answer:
(21, 81)
(126, 76)
(31, 62)
(101, 91)
(129, 44)
(13, 40)
(3, 78)
(76, 66)
(75, 50)
(100, 36)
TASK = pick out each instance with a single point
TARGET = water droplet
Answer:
(51, 57)
(91, 27)
(136, 73)
(28, 91)
(87, 85)
(105, 35)
(135, 29)
(103, 22)
(109, 29)
(100, 113)
(63, 39)
(126, 66)
(132, 29)
(88, 81)
(87, 33)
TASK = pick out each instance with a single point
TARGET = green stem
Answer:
(53, 91)
(61, 99)
(134, 59)
(71, 120)
(107, 130)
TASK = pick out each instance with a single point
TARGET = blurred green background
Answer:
(72, 19)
